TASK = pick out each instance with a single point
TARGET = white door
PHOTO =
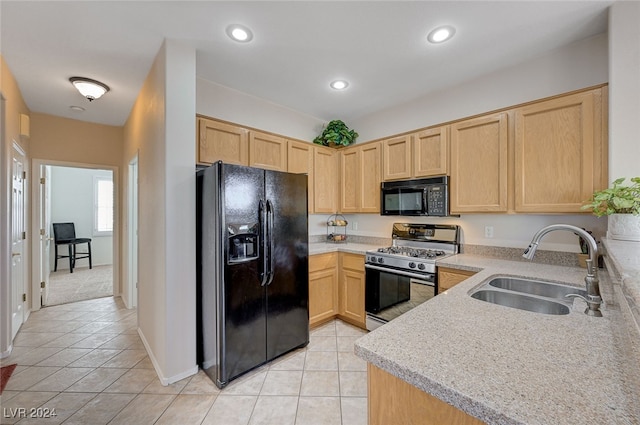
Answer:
(45, 230)
(18, 236)
(132, 286)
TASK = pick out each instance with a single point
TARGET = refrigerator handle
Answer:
(270, 256)
(263, 266)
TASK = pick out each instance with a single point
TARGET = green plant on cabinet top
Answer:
(336, 132)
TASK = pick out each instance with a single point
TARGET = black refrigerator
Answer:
(252, 268)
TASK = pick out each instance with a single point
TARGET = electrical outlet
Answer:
(354, 225)
(488, 232)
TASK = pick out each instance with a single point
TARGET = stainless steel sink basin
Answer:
(536, 287)
(527, 294)
(521, 301)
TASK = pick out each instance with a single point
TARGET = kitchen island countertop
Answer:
(509, 366)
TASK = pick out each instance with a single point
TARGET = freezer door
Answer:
(287, 245)
(243, 315)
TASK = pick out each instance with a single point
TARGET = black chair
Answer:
(65, 234)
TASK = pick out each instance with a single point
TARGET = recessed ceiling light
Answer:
(441, 34)
(76, 108)
(239, 33)
(339, 84)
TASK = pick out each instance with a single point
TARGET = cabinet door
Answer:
(222, 142)
(479, 164)
(323, 288)
(431, 152)
(397, 158)
(448, 278)
(350, 180)
(370, 177)
(300, 161)
(557, 146)
(352, 285)
(267, 151)
(325, 180)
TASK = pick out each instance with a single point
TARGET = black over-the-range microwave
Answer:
(428, 196)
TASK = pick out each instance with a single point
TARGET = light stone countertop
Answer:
(509, 366)
(354, 248)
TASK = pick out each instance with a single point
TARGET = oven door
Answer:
(390, 293)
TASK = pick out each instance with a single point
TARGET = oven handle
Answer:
(417, 276)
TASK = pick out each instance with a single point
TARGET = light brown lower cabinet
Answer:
(351, 292)
(394, 401)
(448, 278)
(323, 288)
(336, 288)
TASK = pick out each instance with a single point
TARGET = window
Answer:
(103, 206)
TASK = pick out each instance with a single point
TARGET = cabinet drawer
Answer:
(448, 278)
(353, 262)
(322, 261)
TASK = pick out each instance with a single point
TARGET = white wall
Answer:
(581, 64)
(161, 130)
(624, 90)
(508, 230)
(217, 101)
(72, 200)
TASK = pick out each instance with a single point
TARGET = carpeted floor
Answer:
(5, 374)
(82, 284)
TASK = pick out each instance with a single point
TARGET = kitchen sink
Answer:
(536, 287)
(521, 301)
(528, 294)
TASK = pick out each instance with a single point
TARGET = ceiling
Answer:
(298, 48)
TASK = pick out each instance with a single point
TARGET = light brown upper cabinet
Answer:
(360, 171)
(267, 151)
(300, 160)
(559, 153)
(349, 176)
(431, 152)
(325, 180)
(422, 154)
(218, 141)
(479, 164)
(397, 158)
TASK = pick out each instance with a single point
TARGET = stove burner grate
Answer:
(411, 252)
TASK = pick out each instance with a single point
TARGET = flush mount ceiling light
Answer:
(239, 33)
(339, 84)
(441, 34)
(91, 89)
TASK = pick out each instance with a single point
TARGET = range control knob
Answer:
(421, 266)
(380, 260)
(412, 265)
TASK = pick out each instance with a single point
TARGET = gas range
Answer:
(416, 247)
(403, 276)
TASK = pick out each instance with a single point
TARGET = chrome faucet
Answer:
(592, 298)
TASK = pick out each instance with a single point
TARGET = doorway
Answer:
(86, 196)
(130, 294)
(18, 237)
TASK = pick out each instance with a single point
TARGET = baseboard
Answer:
(164, 380)
(7, 353)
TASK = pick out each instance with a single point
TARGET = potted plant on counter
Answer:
(336, 133)
(622, 205)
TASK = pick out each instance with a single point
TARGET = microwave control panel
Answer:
(437, 200)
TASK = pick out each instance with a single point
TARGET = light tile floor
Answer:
(86, 361)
